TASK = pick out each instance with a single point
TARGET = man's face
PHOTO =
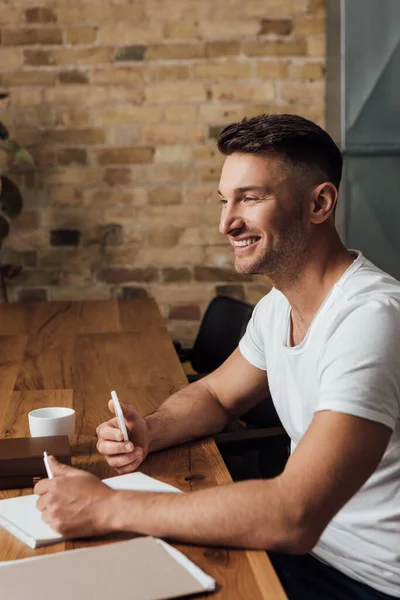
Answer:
(262, 214)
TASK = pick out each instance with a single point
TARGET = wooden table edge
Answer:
(267, 580)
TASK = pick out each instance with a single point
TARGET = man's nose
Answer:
(230, 220)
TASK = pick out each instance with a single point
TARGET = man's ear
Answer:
(324, 198)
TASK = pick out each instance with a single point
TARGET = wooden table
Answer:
(72, 354)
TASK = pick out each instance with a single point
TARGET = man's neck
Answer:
(322, 267)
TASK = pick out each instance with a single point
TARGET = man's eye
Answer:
(250, 199)
(222, 201)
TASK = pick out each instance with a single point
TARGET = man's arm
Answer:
(335, 457)
(204, 407)
(288, 513)
(199, 409)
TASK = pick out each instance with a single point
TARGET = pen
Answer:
(47, 465)
(120, 416)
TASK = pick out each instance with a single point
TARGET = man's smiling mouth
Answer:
(243, 243)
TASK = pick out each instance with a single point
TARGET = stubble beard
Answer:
(284, 258)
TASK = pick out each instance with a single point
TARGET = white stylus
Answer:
(120, 416)
(47, 465)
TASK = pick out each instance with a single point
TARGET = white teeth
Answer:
(245, 242)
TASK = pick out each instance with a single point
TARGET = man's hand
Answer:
(125, 457)
(75, 503)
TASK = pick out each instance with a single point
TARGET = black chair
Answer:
(257, 444)
(221, 329)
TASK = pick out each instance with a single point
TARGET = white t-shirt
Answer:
(348, 362)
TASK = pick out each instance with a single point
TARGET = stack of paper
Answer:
(21, 517)
(143, 568)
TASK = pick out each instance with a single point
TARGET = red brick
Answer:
(75, 276)
(295, 47)
(317, 6)
(121, 156)
(125, 33)
(40, 276)
(210, 173)
(72, 156)
(83, 56)
(165, 196)
(175, 51)
(115, 196)
(27, 220)
(43, 155)
(38, 58)
(189, 92)
(75, 76)
(173, 134)
(309, 26)
(180, 30)
(117, 176)
(272, 69)
(72, 117)
(129, 292)
(28, 36)
(276, 26)
(185, 312)
(172, 275)
(172, 72)
(75, 136)
(313, 70)
(10, 58)
(125, 275)
(9, 15)
(245, 92)
(222, 48)
(26, 78)
(81, 35)
(225, 70)
(181, 113)
(40, 14)
(168, 236)
(65, 196)
(217, 274)
(228, 29)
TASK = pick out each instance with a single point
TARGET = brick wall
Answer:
(121, 103)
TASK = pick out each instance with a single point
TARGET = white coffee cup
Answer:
(55, 420)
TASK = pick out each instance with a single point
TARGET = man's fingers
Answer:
(129, 412)
(59, 469)
(41, 503)
(107, 431)
(109, 448)
(119, 461)
(42, 486)
(128, 468)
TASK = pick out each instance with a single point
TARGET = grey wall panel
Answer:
(372, 211)
(368, 79)
(371, 72)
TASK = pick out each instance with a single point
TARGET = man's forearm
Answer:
(250, 514)
(191, 413)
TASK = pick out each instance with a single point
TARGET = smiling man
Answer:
(326, 343)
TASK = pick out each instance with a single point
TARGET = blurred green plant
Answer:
(13, 157)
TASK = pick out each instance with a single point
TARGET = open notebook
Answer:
(21, 517)
(144, 568)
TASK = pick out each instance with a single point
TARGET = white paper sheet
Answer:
(21, 517)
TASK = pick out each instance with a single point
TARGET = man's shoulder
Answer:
(270, 304)
(273, 298)
(368, 313)
(366, 307)
(369, 282)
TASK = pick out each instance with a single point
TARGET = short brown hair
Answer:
(299, 142)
